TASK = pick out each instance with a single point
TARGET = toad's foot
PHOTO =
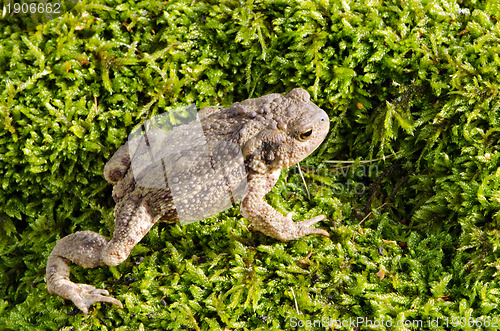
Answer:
(84, 296)
(303, 228)
(284, 228)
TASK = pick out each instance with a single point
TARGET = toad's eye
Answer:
(306, 134)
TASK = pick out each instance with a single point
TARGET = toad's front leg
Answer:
(269, 221)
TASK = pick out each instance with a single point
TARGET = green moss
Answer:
(411, 85)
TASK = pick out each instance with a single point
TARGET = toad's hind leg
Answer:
(83, 248)
(90, 249)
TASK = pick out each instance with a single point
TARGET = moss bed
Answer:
(411, 86)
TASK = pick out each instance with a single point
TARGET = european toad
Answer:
(250, 143)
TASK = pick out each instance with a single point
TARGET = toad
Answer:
(237, 155)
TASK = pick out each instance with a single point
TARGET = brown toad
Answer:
(249, 143)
